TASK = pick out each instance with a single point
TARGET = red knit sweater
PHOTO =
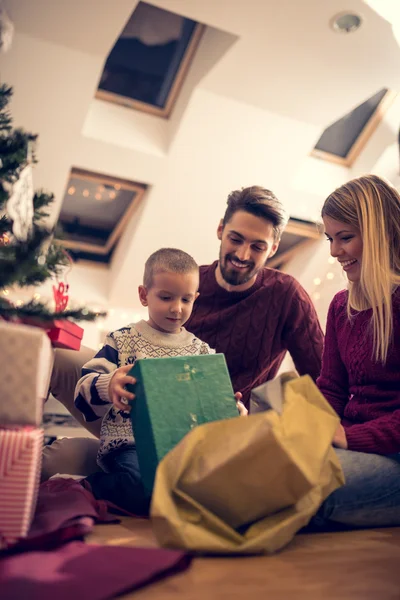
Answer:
(365, 394)
(255, 328)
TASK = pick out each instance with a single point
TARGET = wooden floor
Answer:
(362, 565)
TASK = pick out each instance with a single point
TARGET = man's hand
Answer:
(117, 393)
(243, 412)
(339, 439)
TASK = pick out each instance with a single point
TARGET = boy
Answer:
(170, 287)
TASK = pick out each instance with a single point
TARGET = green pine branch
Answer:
(40, 312)
(24, 263)
(35, 260)
(5, 117)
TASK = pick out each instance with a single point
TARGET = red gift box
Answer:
(65, 334)
(20, 462)
(62, 333)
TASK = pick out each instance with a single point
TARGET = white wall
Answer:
(213, 143)
(319, 274)
(222, 145)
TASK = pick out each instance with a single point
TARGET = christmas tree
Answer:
(28, 254)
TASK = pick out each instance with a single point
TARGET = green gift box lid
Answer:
(174, 395)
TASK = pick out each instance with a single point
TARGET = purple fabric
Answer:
(79, 570)
(64, 511)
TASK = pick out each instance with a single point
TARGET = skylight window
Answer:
(343, 141)
(148, 63)
(95, 211)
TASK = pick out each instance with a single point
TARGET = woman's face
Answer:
(346, 245)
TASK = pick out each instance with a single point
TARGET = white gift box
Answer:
(26, 360)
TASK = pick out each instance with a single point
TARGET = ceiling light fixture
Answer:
(346, 22)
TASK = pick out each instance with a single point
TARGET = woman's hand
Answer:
(339, 439)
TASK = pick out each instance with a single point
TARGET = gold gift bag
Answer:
(247, 485)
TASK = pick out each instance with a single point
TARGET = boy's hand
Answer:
(117, 393)
(243, 412)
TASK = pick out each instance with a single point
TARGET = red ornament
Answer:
(61, 297)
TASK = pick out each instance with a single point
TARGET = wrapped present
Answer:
(26, 359)
(20, 461)
(174, 395)
(247, 485)
(65, 334)
(62, 332)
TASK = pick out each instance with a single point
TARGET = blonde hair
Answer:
(170, 260)
(372, 206)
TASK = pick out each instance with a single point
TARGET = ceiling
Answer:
(268, 78)
(287, 58)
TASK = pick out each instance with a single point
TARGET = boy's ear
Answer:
(196, 296)
(220, 229)
(142, 295)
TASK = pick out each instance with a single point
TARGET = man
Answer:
(251, 313)
(245, 310)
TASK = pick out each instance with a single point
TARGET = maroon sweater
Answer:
(364, 393)
(255, 328)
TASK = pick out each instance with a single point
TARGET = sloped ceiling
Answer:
(251, 117)
(287, 59)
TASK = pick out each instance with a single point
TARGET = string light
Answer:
(331, 260)
(317, 281)
(71, 190)
(112, 195)
(36, 296)
(97, 196)
(330, 275)
(117, 186)
(85, 193)
(101, 188)
(6, 292)
(316, 296)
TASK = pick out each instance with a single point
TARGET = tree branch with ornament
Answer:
(28, 254)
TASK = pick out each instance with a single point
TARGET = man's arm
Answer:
(303, 334)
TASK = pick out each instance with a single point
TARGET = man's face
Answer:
(246, 244)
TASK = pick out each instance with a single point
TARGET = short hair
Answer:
(167, 260)
(259, 202)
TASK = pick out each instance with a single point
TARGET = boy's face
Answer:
(170, 299)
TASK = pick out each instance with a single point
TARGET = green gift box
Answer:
(174, 395)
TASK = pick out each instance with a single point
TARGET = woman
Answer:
(360, 374)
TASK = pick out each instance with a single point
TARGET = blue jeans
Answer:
(370, 496)
(122, 483)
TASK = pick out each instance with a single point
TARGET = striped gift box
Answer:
(20, 462)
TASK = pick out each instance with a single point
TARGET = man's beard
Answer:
(234, 276)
